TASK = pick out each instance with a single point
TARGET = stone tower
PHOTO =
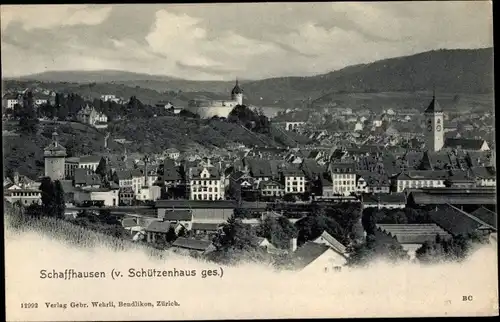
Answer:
(55, 156)
(237, 94)
(434, 127)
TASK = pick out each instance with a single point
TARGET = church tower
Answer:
(55, 157)
(434, 127)
(237, 94)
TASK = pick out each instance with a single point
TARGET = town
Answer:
(409, 184)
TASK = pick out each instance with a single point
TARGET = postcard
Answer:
(249, 160)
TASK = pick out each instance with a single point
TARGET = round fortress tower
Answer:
(55, 157)
(237, 94)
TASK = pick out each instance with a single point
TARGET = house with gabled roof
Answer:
(157, 230)
(206, 183)
(326, 239)
(314, 258)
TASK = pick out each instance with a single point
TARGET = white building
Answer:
(109, 196)
(358, 127)
(343, 178)
(420, 179)
(109, 97)
(149, 193)
(314, 258)
(207, 183)
(290, 126)
(295, 181)
(22, 189)
(10, 100)
(89, 115)
(89, 162)
(172, 153)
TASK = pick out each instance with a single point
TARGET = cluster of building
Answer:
(197, 193)
(10, 100)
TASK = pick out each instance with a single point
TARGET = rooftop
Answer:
(414, 233)
(189, 243)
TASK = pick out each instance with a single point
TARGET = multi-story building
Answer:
(420, 179)
(271, 189)
(206, 183)
(295, 181)
(89, 115)
(23, 190)
(343, 178)
(10, 100)
(89, 162)
(130, 178)
(70, 164)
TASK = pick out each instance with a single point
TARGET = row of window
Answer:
(204, 189)
(343, 176)
(272, 193)
(294, 179)
(206, 196)
(295, 189)
(344, 182)
(205, 182)
(419, 183)
(25, 194)
(344, 189)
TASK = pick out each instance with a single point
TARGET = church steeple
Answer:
(434, 106)
(434, 127)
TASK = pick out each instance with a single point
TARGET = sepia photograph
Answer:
(263, 160)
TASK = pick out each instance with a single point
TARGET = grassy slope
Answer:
(68, 233)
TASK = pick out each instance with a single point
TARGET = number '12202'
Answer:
(29, 305)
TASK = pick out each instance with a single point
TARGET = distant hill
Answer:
(99, 76)
(451, 71)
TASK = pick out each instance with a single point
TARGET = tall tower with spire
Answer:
(55, 157)
(434, 127)
(237, 93)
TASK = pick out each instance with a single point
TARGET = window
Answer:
(215, 189)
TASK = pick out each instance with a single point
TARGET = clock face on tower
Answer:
(429, 128)
(438, 128)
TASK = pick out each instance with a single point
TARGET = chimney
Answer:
(293, 244)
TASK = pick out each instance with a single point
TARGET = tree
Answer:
(377, 247)
(59, 202)
(278, 231)
(47, 189)
(28, 121)
(315, 224)
(103, 171)
(445, 250)
(235, 235)
(171, 235)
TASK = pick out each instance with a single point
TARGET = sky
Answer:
(227, 41)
